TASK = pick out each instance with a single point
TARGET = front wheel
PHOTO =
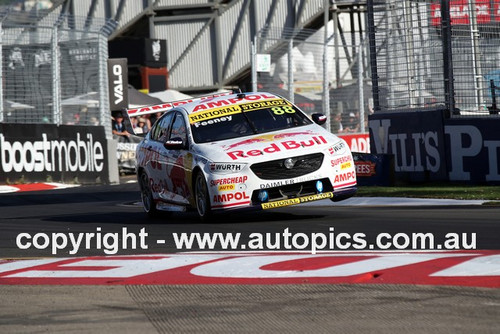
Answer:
(148, 202)
(202, 197)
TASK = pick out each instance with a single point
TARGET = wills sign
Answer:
(415, 139)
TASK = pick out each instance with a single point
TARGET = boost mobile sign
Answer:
(118, 83)
(64, 152)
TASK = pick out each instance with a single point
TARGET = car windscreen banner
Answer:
(41, 152)
(118, 83)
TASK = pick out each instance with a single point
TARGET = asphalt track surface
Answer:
(230, 308)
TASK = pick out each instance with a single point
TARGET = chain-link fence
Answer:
(319, 72)
(54, 69)
(435, 54)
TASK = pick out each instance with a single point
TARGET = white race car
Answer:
(239, 151)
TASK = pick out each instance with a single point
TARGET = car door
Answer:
(179, 161)
(157, 162)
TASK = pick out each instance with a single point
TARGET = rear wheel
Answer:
(202, 197)
(148, 202)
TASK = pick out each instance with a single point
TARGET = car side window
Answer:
(161, 128)
(179, 128)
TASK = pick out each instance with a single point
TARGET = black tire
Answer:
(148, 202)
(202, 198)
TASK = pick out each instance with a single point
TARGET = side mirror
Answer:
(318, 118)
(176, 143)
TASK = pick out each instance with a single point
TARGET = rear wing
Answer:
(162, 108)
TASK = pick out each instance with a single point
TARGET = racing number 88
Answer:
(282, 110)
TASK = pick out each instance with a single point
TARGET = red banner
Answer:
(487, 11)
(359, 142)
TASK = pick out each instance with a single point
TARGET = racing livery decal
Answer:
(277, 147)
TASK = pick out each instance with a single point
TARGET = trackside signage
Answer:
(118, 83)
(415, 139)
(426, 147)
(38, 152)
(474, 149)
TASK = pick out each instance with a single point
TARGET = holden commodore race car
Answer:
(239, 151)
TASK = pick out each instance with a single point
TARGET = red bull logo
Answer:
(278, 147)
(268, 138)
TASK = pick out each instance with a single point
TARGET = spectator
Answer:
(352, 125)
(119, 128)
(142, 125)
(337, 126)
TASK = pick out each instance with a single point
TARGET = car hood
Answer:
(269, 146)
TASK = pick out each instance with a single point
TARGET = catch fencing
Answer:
(435, 54)
(54, 70)
(320, 71)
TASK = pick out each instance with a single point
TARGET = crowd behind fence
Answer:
(54, 70)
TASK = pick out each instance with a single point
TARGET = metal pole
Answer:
(253, 65)
(474, 36)
(56, 75)
(373, 56)
(449, 88)
(409, 49)
(290, 71)
(361, 92)
(326, 88)
(391, 65)
(338, 80)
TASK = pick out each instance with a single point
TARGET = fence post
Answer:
(104, 109)
(254, 64)
(476, 61)
(373, 56)
(56, 76)
(361, 91)
(291, 95)
(449, 89)
(326, 88)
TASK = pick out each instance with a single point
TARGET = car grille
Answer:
(292, 190)
(276, 170)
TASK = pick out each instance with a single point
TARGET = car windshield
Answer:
(245, 119)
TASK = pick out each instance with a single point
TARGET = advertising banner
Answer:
(374, 169)
(118, 84)
(474, 149)
(415, 139)
(358, 142)
(41, 152)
